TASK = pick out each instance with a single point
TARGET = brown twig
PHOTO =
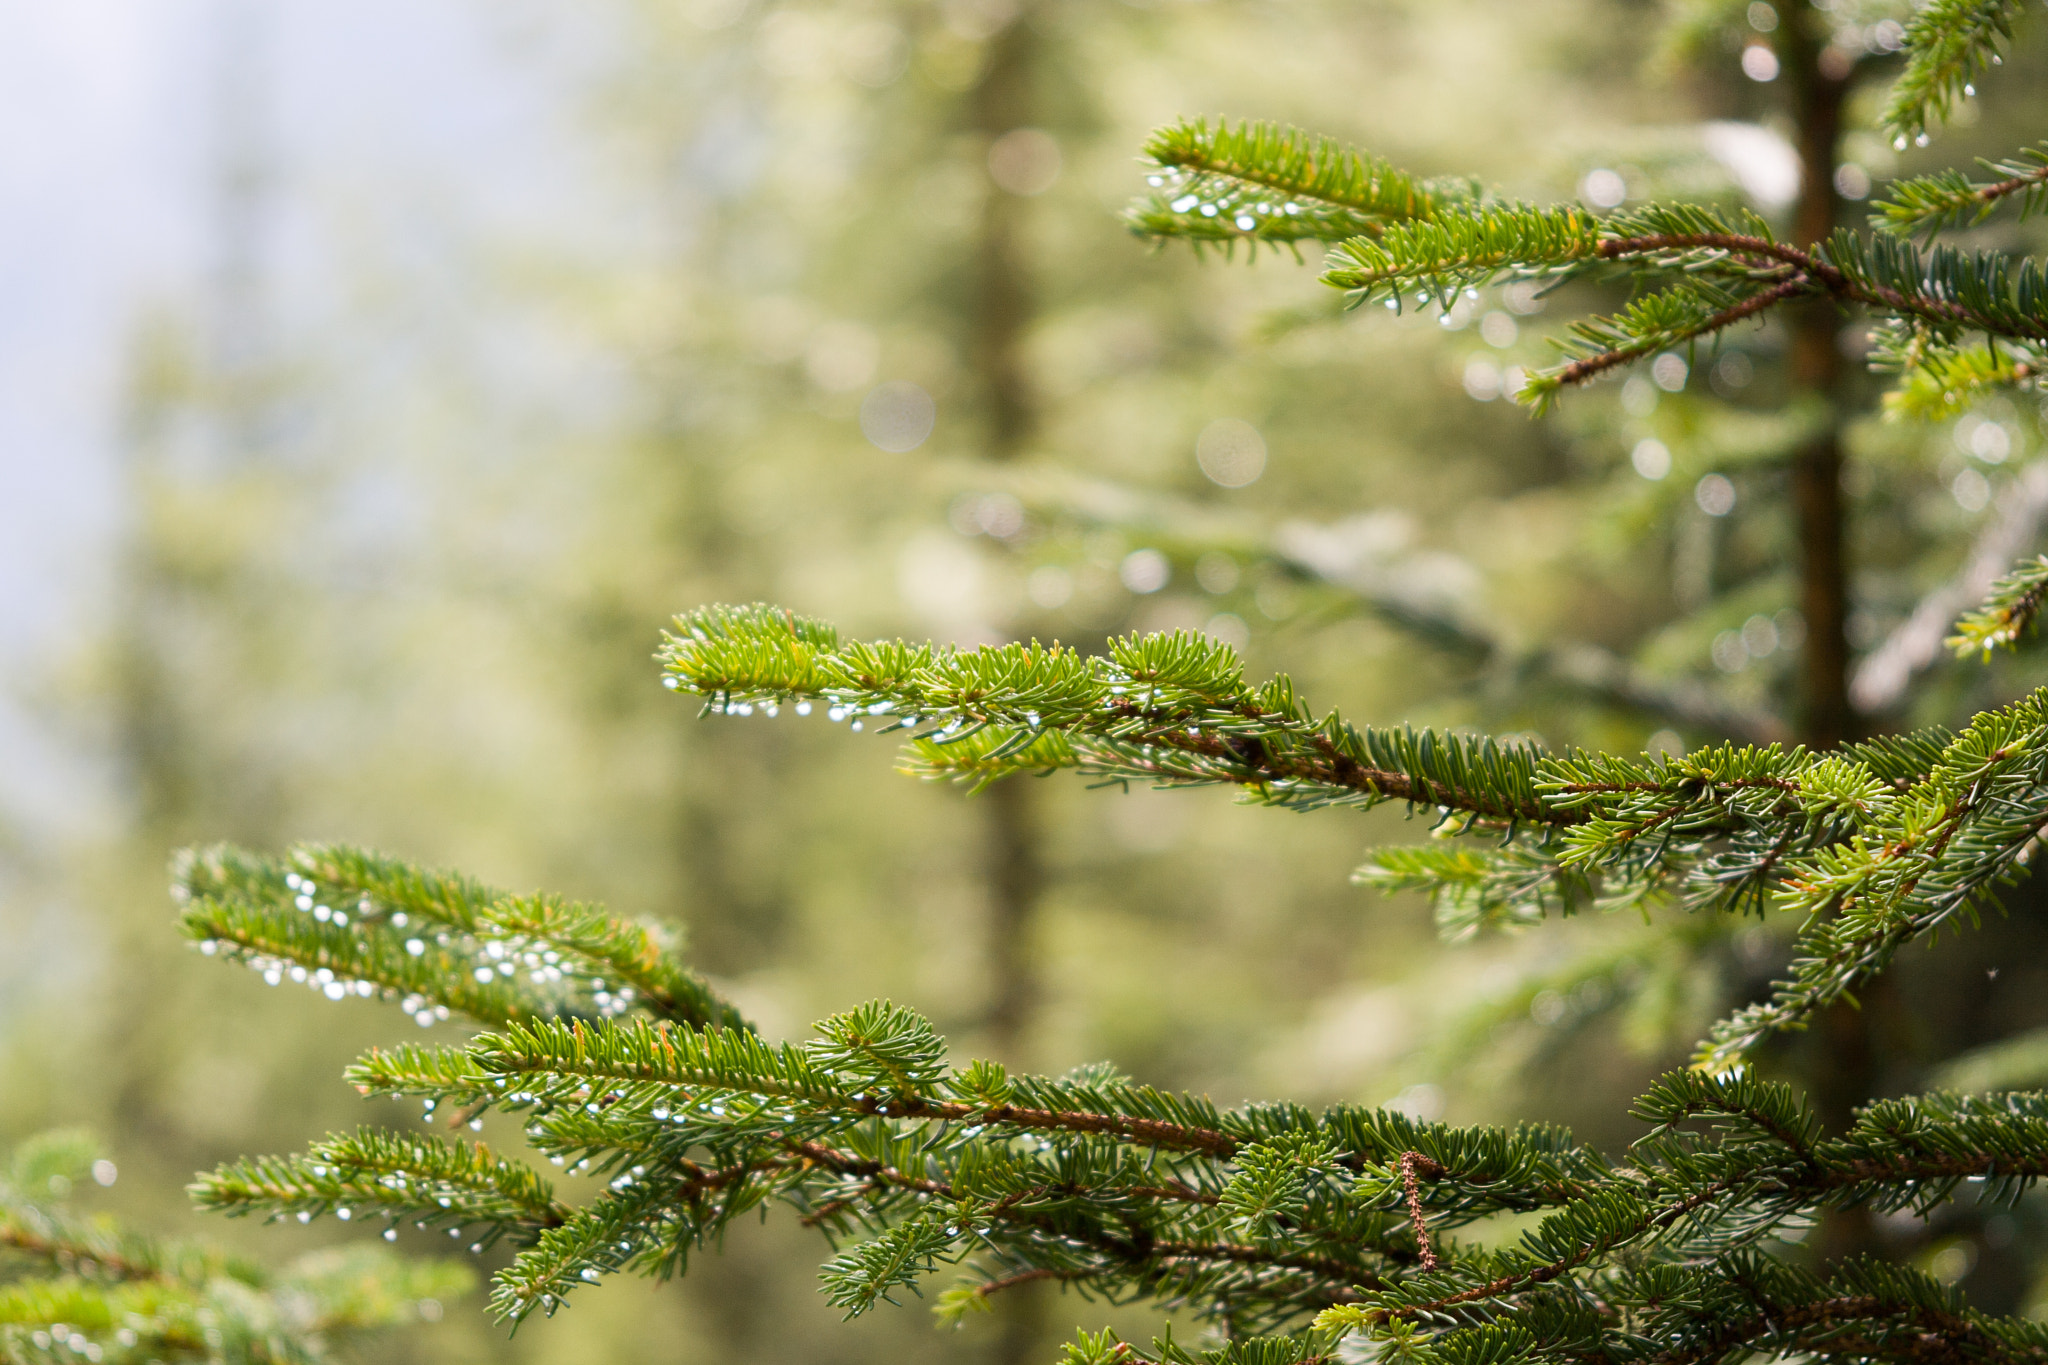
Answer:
(1411, 1165)
(1580, 371)
(73, 1256)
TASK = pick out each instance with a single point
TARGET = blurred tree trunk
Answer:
(1004, 301)
(1842, 1058)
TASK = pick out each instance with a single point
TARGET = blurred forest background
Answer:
(486, 336)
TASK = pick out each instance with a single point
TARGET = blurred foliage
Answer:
(76, 1286)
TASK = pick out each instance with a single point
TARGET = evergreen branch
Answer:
(1729, 272)
(1267, 183)
(1948, 198)
(1442, 257)
(1948, 44)
(2009, 611)
(1861, 1309)
(557, 1059)
(350, 922)
(1767, 1109)
(93, 1249)
(1470, 891)
(393, 1174)
(1868, 864)
(1935, 850)
(92, 1252)
(75, 1288)
(1941, 378)
(1671, 320)
(1952, 291)
(1171, 708)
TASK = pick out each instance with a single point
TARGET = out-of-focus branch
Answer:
(1880, 684)
(1418, 595)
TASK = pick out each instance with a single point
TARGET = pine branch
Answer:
(1173, 709)
(1439, 258)
(1950, 199)
(2010, 610)
(77, 1288)
(1948, 44)
(1935, 850)
(393, 1175)
(1869, 865)
(909, 1138)
(348, 922)
(1263, 183)
(1729, 270)
(1940, 379)
(1674, 319)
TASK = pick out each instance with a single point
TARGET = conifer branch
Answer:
(1949, 199)
(1870, 866)
(350, 922)
(1948, 44)
(1173, 708)
(2008, 613)
(1264, 183)
(398, 1175)
(83, 1288)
